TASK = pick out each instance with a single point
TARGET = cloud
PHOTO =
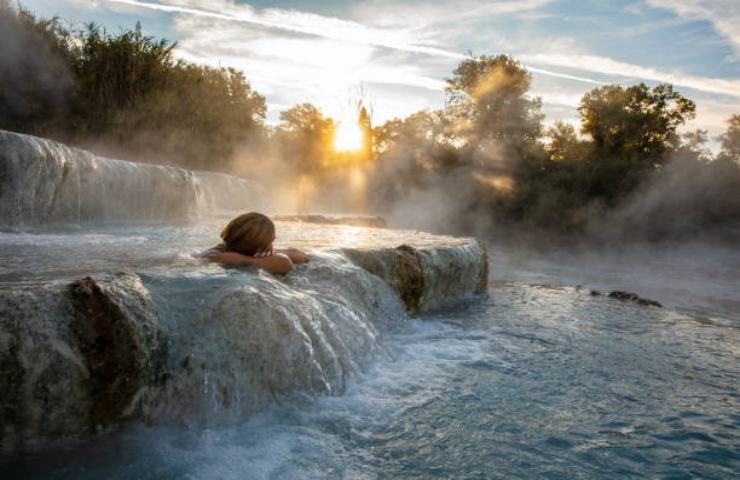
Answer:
(427, 15)
(724, 15)
(608, 66)
(292, 56)
(297, 22)
(571, 100)
(332, 28)
(292, 68)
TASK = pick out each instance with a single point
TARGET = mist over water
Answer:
(45, 182)
(329, 376)
(540, 377)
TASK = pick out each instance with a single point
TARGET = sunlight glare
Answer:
(348, 136)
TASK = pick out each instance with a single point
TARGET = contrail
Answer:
(359, 34)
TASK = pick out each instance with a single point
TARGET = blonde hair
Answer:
(249, 233)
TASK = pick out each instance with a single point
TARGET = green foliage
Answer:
(487, 154)
(489, 95)
(35, 74)
(636, 121)
(129, 93)
(731, 140)
(410, 154)
(304, 138)
(632, 129)
(514, 171)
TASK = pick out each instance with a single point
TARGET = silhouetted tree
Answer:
(490, 98)
(731, 139)
(632, 130)
(304, 137)
(36, 80)
(124, 94)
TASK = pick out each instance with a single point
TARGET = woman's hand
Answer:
(265, 253)
(296, 256)
(277, 263)
(229, 258)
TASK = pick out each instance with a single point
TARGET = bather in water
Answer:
(248, 240)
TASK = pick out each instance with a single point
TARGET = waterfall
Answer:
(109, 324)
(42, 181)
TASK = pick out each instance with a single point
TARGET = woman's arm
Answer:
(295, 255)
(278, 263)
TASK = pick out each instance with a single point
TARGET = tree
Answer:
(124, 95)
(731, 139)
(564, 143)
(36, 80)
(489, 95)
(500, 125)
(365, 124)
(305, 137)
(632, 130)
(636, 121)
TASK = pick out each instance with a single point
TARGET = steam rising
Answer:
(36, 82)
(484, 165)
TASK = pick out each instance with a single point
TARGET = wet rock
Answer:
(74, 359)
(81, 358)
(428, 278)
(42, 373)
(117, 333)
(484, 270)
(633, 297)
(400, 267)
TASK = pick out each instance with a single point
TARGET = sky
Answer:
(397, 54)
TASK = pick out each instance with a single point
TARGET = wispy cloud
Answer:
(293, 55)
(330, 27)
(298, 22)
(724, 15)
(427, 15)
(608, 66)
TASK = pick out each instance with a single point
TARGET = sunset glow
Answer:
(348, 137)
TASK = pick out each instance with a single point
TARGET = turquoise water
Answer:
(531, 381)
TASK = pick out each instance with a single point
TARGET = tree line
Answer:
(627, 170)
(487, 159)
(124, 92)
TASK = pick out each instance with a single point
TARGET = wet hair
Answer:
(248, 234)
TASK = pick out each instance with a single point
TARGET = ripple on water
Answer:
(532, 382)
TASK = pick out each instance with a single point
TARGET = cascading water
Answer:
(42, 182)
(119, 321)
(114, 324)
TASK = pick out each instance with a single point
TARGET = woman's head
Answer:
(249, 234)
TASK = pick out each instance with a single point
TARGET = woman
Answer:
(247, 240)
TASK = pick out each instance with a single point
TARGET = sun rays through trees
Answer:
(487, 159)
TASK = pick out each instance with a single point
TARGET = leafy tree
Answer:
(124, 94)
(731, 139)
(635, 121)
(564, 143)
(134, 93)
(305, 137)
(632, 128)
(36, 78)
(489, 95)
(411, 154)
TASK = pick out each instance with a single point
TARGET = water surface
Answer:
(535, 380)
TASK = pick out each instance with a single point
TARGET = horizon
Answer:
(397, 55)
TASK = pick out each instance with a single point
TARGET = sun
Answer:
(348, 137)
